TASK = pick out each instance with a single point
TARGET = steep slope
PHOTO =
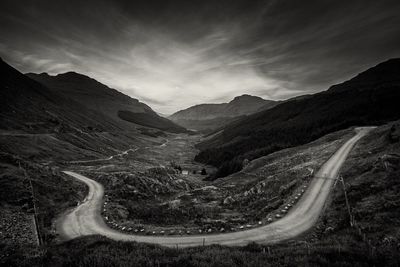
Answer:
(370, 98)
(200, 112)
(28, 106)
(211, 116)
(246, 105)
(41, 124)
(109, 102)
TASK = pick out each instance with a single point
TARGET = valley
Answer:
(265, 179)
(85, 219)
(199, 133)
(147, 195)
(332, 230)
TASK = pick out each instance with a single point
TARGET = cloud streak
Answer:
(174, 54)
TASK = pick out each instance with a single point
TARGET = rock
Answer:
(228, 200)
(391, 161)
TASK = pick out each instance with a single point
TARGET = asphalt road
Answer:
(87, 220)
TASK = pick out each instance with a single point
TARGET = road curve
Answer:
(123, 153)
(86, 219)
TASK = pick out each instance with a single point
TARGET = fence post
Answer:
(347, 201)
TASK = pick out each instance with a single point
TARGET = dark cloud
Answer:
(178, 53)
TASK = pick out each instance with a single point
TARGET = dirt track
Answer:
(87, 220)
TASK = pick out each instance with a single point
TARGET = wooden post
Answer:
(339, 247)
(347, 201)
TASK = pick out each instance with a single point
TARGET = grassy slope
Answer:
(371, 175)
(209, 117)
(370, 98)
(151, 120)
(267, 182)
(41, 129)
(127, 112)
(373, 193)
(53, 192)
(164, 202)
(206, 126)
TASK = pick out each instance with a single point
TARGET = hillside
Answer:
(211, 116)
(41, 124)
(371, 179)
(28, 106)
(40, 130)
(108, 102)
(370, 98)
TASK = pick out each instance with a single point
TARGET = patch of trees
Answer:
(298, 122)
(151, 120)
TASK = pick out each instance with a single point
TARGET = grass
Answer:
(372, 190)
(99, 251)
(372, 187)
(51, 191)
(162, 199)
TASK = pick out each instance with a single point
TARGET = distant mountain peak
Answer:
(214, 115)
(247, 98)
(244, 96)
(43, 74)
(72, 75)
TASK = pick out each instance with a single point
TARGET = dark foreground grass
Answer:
(99, 251)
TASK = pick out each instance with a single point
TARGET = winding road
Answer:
(123, 153)
(86, 219)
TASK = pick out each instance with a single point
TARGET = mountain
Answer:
(126, 111)
(211, 116)
(370, 98)
(28, 106)
(42, 124)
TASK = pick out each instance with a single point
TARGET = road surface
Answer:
(87, 220)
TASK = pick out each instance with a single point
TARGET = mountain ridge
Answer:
(29, 106)
(207, 117)
(369, 98)
(226, 109)
(107, 101)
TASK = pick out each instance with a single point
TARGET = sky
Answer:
(175, 54)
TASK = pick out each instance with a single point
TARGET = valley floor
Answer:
(263, 187)
(162, 201)
(86, 220)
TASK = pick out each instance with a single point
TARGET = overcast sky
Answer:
(174, 54)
